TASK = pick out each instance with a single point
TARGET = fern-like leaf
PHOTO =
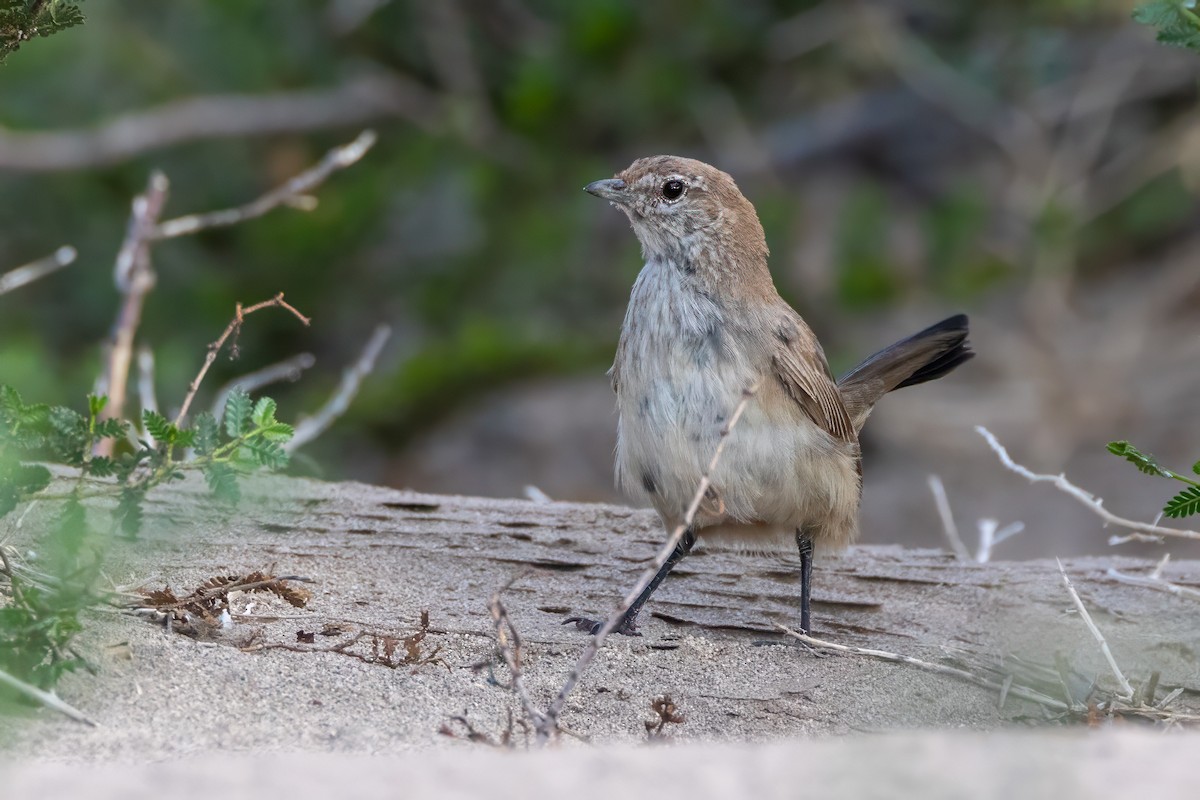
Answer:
(222, 480)
(1175, 21)
(1184, 504)
(159, 427)
(238, 410)
(1143, 461)
(208, 434)
(264, 412)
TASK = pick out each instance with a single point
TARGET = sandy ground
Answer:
(377, 558)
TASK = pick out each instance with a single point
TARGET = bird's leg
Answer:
(805, 543)
(628, 624)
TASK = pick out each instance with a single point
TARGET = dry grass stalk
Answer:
(614, 618)
(1126, 689)
(1004, 688)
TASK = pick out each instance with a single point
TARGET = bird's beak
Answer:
(612, 189)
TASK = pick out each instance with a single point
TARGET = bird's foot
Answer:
(627, 627)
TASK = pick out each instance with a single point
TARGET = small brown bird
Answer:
(704, 324)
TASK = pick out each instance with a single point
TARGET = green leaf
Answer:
(96, 404)
(237, 413)
(1184, 504)
(264, 412)
(267, 454)
(1175, 20)
(18, 481)
(159, 427)
(222, 480)
(278, 432)
(129, 510)
(100, 467)
(207, 433)
(111, 429)
(1143, 461)
(1196, 468)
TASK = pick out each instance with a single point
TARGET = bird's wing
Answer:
(799, 364)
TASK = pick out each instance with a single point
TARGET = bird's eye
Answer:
(673, 189)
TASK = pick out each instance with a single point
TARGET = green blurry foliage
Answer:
(22, 20)
(43, 611)
(1175, 20)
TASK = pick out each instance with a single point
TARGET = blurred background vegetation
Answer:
(1032, 163)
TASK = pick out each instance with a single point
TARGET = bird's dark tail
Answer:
(925, 356)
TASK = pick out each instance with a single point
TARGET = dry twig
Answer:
(1155, 580)
(309, 428)
(356, 101)
(292, 193)
(1007, 687)
(232, 329)
(16, 278)
(948, 527)
(508, 641)
(45, 698)
(1092, 502)
(614, 618)
(134, 277)
(1126, 689)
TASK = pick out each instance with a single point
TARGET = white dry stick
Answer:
(16, 278)
(1006, 688)
(147, 397)
(948, 526)
(45, 698)
(536, 495)
(1155, 580)
(289, 370)
(989, 537)
(1087, 618)
(292, 193)
(614, 618)
(310, 428)
(1091, 501)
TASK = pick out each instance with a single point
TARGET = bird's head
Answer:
(685, 211)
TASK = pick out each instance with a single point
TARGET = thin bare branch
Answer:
(1007, 688)
(291, 193)
(1155, 580)
(234, 326)
(949, 529)
(508, 641)
(1126, 689)
(991, 534)
(310, 428)
(289, 370)
(34, 270)
(45, 698)
(358, 101)
(614, 618)
(134, 277)
(1089, 500)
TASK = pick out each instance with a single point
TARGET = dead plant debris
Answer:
(668, 714)
(368, 646)
(205, 610)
